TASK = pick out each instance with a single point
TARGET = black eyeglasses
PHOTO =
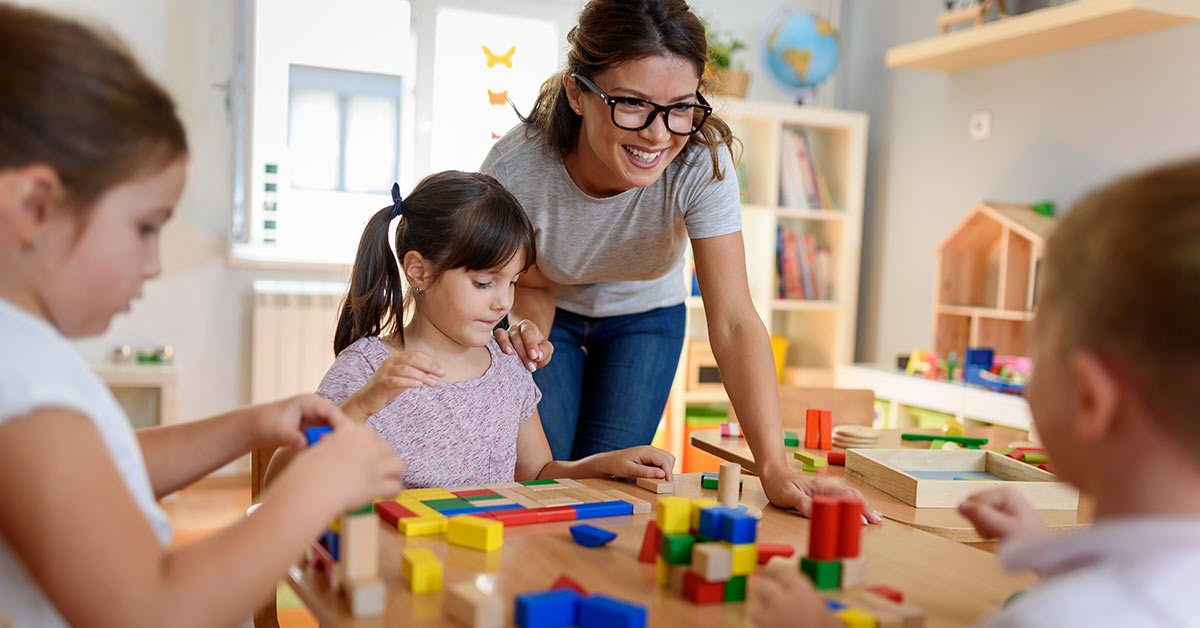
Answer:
(635, 114)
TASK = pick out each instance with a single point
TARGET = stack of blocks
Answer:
(812, 462)
(834, 543)
(348, 554)
(702, 549)
(818, 429)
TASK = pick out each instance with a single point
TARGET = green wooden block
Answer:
(825, 574)
(790, 439)
(810, 469)
(961, 440)
(936, 444)
(810, 459)
(1033, 458)
(712, 481)
(735, 589)
(537, 482)
(476, 498)
(677, 548)
(365, 510)
(448, 503)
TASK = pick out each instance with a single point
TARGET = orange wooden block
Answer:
(826, 430)
(812, 434)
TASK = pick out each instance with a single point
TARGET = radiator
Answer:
(291, 336)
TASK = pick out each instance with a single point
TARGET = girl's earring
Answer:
(416, 291)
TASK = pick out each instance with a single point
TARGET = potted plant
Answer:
(727, 80)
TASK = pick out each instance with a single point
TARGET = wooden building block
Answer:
(888, 613)
(856, 618)
(426, 494)
(699, 591)
(640, 506)
(422, 526)
(767, 551)
(422, 570)
(810, 459)
(790, 439)
(713, 561)
(674, 515)
(729, 483)
(559, 607)
(591, 536)
(826, 429)
(467, 605)
(365, 598)
(825, 574)
(837, 458)
(887, 592)
(735, 589)
(567, 582)
(850, 525)
(812, 428)
(699, 504)
(662, 572)
(475, 532)
(745, 557)
(602, 611)
(678, 572)
(854, 572)
(360, 547)
(823, 528)
(656, 485)
(677, 548)
(651, 541)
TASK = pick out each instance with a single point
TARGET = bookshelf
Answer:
(820, 332)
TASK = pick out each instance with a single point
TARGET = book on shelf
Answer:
(801, 184)
(805, 269)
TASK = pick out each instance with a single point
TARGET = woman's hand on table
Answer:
(525, 339)
(788, 489)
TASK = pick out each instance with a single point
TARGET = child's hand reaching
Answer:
(282, 423)
(1002, 513)
(635, 462)
(350, 467)
(409, 369)
(787, 599)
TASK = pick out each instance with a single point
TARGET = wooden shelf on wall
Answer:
(1045, 30)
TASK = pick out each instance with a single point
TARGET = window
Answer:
(338, 100)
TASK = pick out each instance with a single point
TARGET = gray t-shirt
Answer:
(622, 254)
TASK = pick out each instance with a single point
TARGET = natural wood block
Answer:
(728, 483)
(360, 547)
(656, 485)
(678, 575)
(640, 506)
(712, 561)
(889, 471)
(889, 614)
(854, 572)
(366, 598)
(467, 605)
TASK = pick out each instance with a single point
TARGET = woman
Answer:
(618, 164)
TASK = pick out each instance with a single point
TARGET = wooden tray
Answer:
(892, 471)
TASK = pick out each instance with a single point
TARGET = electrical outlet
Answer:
(981, 125)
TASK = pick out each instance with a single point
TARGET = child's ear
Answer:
(1097, 395)
(26, 194)
(418, 272)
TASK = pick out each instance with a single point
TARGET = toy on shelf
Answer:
(961, 11)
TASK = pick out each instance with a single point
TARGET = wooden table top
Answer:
(946, 522)
(955, 584)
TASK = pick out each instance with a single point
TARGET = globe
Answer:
(799, 51)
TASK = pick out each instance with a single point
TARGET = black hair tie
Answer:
(397, 202)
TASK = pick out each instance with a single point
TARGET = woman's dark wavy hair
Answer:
(611, 32)
(453, 219)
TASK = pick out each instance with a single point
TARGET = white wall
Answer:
(1062, 123)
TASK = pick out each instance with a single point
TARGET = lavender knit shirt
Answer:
(452, 434)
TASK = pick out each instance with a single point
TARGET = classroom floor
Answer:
(208, 506)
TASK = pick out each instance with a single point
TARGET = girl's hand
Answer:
(401, 371)
(788, 489)
(526, 340)
(352, 466)
(1002, 513)
(787, 599)
(635, 462)
(282, 423)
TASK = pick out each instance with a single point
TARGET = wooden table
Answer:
(954, 583)
(946, 522)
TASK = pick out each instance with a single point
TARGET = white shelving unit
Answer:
(820, 333)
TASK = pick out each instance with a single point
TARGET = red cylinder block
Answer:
(823, 529)
(850, 527)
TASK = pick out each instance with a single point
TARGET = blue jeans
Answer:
(607, 384)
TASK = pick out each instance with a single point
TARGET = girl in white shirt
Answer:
(92, 163)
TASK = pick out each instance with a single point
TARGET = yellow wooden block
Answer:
(856, 618)
(662, 572)
(422, 570)
(698, 504)
(745, 557)
(336, 525)
(475, 532)
(418, 508)
(428, 493)
(421, 526)
(674, 515)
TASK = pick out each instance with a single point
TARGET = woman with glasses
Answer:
(619, 164)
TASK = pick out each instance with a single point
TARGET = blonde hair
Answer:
(1122, 275)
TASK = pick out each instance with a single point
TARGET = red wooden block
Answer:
(392, 512)
(836, 458)
(516, 517)
(481, 491)
(651, 543)
(766, 551)
(826, 425)
(888, 593)
(850, 527)
(823, 528)
(566, 582)
(554, 513)
(812, 428)
(700, 591)
(1018, 454)
(1045, 467)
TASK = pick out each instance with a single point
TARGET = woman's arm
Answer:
(65, 504)
(743, 352)
(531, 317)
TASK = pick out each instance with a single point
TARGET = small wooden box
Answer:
(702, 373)
(896, 471)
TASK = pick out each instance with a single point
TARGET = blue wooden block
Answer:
(591, 536)
(483, 508)
(738, 528)
(602, 509)
(710, 522)
(834, 605)
(462, 511)
(601, 611)
(556, 608)
(314, 434)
